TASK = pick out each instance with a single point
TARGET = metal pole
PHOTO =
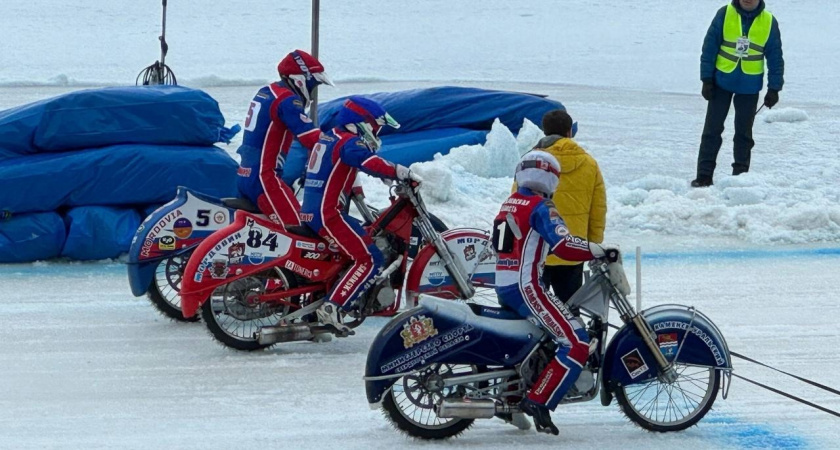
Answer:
(638, 279)
(316, 7)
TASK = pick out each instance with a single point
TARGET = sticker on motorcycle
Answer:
(469, 252)
(668, 344)
(166, 243)
(219, 269)
(182, 228)
(417, 330)
(634, 363)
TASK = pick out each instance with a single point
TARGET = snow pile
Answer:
(750, 207)
(785, 115)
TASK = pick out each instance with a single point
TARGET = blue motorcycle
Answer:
(436, 368)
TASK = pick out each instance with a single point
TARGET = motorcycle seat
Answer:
(242, 204)
(303, 230)
(494, 312)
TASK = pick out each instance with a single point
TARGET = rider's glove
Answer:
(405, 174)
(608, 252)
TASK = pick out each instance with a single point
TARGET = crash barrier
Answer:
(435, 120)
(77, 170)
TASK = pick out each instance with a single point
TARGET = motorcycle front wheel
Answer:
(233, 314)
(410, 404)
(663, 407)
(165, 289)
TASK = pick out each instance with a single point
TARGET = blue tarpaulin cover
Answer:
(98, 232)
(118, 175)
(160, 115)
(30, 237)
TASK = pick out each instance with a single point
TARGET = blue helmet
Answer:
(366, 118)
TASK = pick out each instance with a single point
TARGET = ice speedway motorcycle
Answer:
(257, 284)
(436, 368)
(165, 240)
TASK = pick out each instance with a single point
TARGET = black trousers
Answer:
(563, 280)
(711, 141)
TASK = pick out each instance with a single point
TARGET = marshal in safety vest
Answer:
(744, 49)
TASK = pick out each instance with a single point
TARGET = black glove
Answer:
(708, 90)
(771, 98)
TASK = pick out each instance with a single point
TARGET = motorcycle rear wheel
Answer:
(165, 289)
(233, 320)
(663, 407)
(410, 406)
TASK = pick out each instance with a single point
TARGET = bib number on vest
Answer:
(742, 46)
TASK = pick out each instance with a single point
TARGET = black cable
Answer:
(805, 380)
(792, 397)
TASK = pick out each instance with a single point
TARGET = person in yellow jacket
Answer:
(580, 198)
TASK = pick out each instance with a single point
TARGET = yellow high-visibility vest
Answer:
(746, 49)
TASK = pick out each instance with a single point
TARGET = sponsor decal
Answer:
(561, 230)
(417, 330)
(469, 252)
(207, 260)
(236, 253)
(243, 171)
(157, 229)
(677, 325)
(668, 344)
(333, 247)
(552, 213)
(576, 242)
(306, 245)
(634, 363)
(219, 269)
(414, 240)
(428, 349)
(322, 246)
(291, 265)
(508, 262)
(314, 183)
(256, 258)
(166, 243)
(545, 379)
(306, 217)
(220, 217)
(469, 240)
(360, 143)
(509, 208)
(182, 228)
(485, 255)
(517, 201)
(326, 137)
(436, 278)
(297, 103)
(305, 254)
(304, 118)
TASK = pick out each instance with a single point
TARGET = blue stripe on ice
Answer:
(735, 433)
(735, 254)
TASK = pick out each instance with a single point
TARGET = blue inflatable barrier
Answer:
(158, 115)
(99, 232)
(118, 175)
(31, 237)
(451, 107)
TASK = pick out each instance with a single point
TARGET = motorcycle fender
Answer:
(172, 229)
(678, 329)
(427, 274)
(442, 331)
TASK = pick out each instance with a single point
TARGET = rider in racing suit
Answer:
(526, 229)
(330, 174)
(276, 116)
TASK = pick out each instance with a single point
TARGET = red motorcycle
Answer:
(258, 284)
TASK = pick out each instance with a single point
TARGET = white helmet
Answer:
(538, 171)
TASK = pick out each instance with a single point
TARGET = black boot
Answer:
(702, 182)
(541, 415)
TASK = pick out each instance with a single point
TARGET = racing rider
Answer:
(526, 229)
(276, 116)
(331, 171)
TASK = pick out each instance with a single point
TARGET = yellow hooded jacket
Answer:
(580, 198)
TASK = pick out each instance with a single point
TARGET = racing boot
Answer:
(541, 416)
(330, 314)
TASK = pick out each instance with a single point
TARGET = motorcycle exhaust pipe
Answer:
(467, 409)
(285, 333)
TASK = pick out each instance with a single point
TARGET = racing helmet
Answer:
(538, 171)
(366, 118)
(303, 73)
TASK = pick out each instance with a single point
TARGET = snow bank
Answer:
(466, 188)
(785, 115)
